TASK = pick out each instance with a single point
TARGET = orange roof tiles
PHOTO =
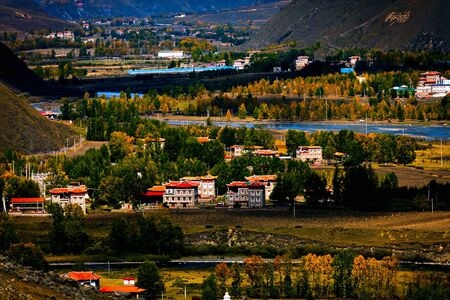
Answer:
(182, 184)
(121, 289)
(83, 276)
(27, 200)
(69, 190)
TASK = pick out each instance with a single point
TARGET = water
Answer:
(116, 94)
(178, 70)
(426, 132)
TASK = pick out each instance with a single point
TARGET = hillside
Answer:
(16, 73)
(23, 129)
(383, 24)
(138, 8)
(26, 15)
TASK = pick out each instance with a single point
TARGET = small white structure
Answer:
(226, 296)
(301, 62)
(170, 54)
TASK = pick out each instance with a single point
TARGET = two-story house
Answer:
(309, 153)
(206, 187)
(269, 182)
(181, 194)
(246, 194)
(70, 195)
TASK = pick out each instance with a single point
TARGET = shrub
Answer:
(27, 254)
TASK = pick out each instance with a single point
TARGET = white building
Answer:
(309, 153)
(181, 194)
(301, 62)
(246, 194)
(269, 182)
(206, 187)
(70, 195)
(170, 54)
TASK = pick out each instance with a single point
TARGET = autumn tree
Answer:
(222, 272)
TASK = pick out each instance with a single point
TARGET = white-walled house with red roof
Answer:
(246, 194)
(70, 195)
(27, 205)
(181, 194)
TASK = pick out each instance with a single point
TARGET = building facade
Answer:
(70, 195)
(309, 153)
(206, 187)
(269, 182)
(246, 194)
(181, 194)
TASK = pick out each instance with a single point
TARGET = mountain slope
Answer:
(138, 8)
(16, 73)
(23, 129)
(384, 24)
(25, 15)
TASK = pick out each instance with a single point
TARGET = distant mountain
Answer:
(383, 24)
(74, 9)
(26, 15)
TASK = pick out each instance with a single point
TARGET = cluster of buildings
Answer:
(89, 278)
(432, 85)
(190, 192)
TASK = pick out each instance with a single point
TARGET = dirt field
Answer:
(410, 176)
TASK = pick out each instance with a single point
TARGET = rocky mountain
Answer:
(74, 9)
(383, 24)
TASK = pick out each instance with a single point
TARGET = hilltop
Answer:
(384, 24)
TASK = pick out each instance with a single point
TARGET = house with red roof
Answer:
(70, 195)
(181, 194)
(85, 278)
(246, 194)
(154, 195)
(311, 154)
(269, 182)
(30, 204)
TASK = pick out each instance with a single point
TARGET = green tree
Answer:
(242, 111)
(209, 288)
(150, 279)
(8, 234)
(295, 138)
(342, 275)
(68, 233)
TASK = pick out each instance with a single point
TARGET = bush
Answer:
(27, 254)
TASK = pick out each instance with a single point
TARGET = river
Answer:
(425, 131)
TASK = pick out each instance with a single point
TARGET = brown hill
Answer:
(24, 130)
(26, 15)
(383, 24)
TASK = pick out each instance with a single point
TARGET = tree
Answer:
(342, 275)
(150, 279)
(120, 145)
(236, 283)
(8, 234)
(295, 138)
(68, 233)
(209, 288)
(222, 273)
(242, 111)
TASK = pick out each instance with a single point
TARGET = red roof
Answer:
(182, 185)
(129, 278)
(83, 276)
(153, 194)
(121, 289)
(73, 190)
(27, 200)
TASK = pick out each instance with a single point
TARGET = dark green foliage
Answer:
(209, 288)
(8, 234)
(151, 234)
(150, 279)
(68, 233)
(295, 138)
(342, 265)
(360, 187)
(28, 254)
(430, 286)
